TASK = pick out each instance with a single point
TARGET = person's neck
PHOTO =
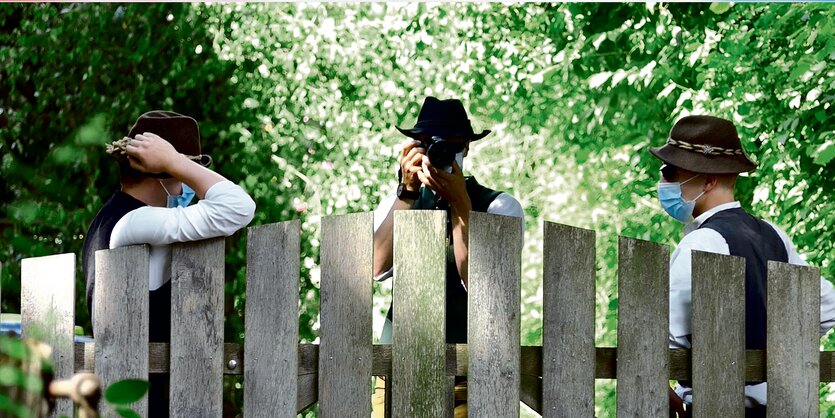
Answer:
(147, 190)
(711, 200)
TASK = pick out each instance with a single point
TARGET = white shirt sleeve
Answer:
(706, 240)
(383, 210)
(380, 214)
(225, 209)
(827, 290)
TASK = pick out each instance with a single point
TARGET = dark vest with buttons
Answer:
(758, 242)
(456, 295)
(98, 238)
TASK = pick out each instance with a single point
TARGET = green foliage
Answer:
(297, 103)
(126, 391)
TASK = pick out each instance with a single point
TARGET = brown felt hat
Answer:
(180, 130)
(704, 144)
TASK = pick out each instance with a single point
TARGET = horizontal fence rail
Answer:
(282, 377)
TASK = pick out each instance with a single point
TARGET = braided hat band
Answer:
(704, 148)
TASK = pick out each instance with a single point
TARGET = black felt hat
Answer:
(705, 144)
(444, 118)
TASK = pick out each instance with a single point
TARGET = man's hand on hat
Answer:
(450, 186)
(149, 153)
(411, 159)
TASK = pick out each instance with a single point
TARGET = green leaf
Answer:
(9, 375)
(825, 152)
(126, 391)
(720, 7)
(126, 412)
(14, 348)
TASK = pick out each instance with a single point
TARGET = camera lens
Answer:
(441, 154)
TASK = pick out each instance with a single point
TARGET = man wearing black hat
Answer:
(702, 158)
(431, 178)
(161, 169)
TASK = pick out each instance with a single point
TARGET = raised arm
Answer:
(410, 165)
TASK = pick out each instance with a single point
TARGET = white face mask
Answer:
(459, 158)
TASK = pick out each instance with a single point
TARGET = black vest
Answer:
(98, 238)
(758, 242)
(456, 295)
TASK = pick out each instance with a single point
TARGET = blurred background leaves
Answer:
(297, 103)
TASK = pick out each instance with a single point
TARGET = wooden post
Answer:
(643, 329)
(793, 340)
(121, 318)
(493, 333)
(568, 322)
(47, 312)
(197, 329)
(271, 320)
(419, 293)
(345, 316)
(718, 326)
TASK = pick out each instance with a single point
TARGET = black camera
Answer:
(441, 152)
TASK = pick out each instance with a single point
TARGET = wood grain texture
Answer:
(418, 338)
(345, 316)
(197, 329)
(643, 328)
(493, 333)
(121, 318)
(793, 340)
(568, 321)
(47, 311)
(271, 320)
(718, 326)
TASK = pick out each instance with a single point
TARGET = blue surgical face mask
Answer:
(459, 158)
(669, 194)
(181, 200)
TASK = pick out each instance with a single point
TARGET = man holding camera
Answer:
(431, 178)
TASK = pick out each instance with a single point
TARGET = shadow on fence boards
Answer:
(282, 377)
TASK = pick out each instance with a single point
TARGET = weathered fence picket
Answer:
(282, 376)
(643, 329)
(419, 383)
(494, 291)
(345, 316)
(568, 322)
(793, 340)
(121, 318)
(47, 301)
(197, 329)
(271, 325)
(718, 325)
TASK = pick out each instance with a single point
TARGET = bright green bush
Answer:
(297, 104)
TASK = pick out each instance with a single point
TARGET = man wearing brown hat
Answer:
(160, 169)
(430, 177)
(702, 158)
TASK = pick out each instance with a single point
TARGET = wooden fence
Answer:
(282, 377)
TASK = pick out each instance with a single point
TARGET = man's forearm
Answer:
(461, 238)
(199, 178)
(384, 238)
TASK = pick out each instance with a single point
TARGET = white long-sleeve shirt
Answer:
(708, 240)
(225, 209)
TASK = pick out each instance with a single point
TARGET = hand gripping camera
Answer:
(441, 152)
